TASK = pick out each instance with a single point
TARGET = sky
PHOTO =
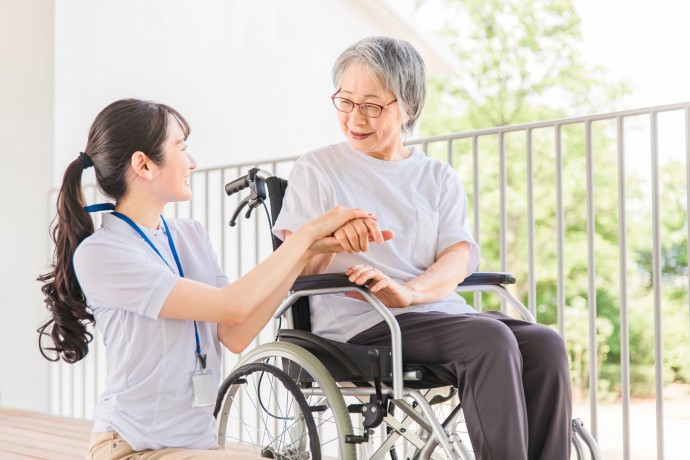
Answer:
(644, 41)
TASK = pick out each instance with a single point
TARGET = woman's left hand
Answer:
(391, 293)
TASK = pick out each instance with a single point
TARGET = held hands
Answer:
(345, 229)
(356, 234)
(389, 292)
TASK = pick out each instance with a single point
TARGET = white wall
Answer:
(252, 78)
(26, 150)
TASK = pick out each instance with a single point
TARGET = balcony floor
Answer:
(31, 435)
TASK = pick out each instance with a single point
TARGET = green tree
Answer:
(519, 62)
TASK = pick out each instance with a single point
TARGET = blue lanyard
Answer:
(132, 224)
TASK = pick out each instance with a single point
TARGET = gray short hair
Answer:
(398, 65)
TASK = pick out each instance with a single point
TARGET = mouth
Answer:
(187, 180)
(359, 136)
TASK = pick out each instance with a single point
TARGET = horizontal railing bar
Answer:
(550, 123)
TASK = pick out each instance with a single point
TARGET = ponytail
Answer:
(122, 128)
(67, 328)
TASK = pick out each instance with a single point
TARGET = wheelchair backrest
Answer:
(276, 191)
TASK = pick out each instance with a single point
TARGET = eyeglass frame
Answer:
(359, 105)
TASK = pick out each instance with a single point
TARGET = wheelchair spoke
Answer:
(284, 428)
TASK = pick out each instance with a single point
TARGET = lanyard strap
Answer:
(171, 243)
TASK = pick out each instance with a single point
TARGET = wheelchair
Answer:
(306, 397)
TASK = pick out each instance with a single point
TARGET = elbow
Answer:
(232, 330)
(234, 314)
(233, 339)
(237, 346)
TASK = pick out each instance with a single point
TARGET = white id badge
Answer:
(205, 390)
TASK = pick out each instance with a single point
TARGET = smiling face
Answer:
(174, 175)
(377, 137)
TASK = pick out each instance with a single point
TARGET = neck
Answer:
(142, 213)
(398, 153)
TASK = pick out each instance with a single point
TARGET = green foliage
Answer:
(519, 62)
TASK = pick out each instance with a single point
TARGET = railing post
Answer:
(591, 278)
(656, 283)
(623, 267)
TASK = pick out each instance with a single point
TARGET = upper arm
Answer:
(127, 277)
(191, 299)
(306, 197)
(454, 226)
(122, 277)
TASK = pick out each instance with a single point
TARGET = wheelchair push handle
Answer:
(255, 180)
(254, 177)
(236, 185)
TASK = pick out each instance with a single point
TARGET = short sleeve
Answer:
(122, 277)
(453, 224)
(306, 197)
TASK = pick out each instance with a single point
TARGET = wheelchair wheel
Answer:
(324, 400)
(270, 413)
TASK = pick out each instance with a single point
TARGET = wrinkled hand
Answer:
(389, 292)
(340, 229)
(356, 234)
(329, 222)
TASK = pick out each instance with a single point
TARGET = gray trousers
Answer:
(512, 377)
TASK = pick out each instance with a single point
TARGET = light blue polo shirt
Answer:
(148, 394)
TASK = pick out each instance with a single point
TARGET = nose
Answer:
(358, 117)
(192, 163)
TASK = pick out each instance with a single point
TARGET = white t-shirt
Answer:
(420, 199)
(148, 394)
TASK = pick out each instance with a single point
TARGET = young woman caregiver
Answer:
(154, 288)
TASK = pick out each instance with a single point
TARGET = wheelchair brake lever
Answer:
(243, 203)
(253, 204)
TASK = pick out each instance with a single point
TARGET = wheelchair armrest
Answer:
(322, 281)
(340, 280)
(488, 278)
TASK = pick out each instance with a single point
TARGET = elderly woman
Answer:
(512, 375)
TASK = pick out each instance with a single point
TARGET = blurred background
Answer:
(253, 80)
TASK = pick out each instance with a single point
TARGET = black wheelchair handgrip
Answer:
(340, 280)
(238, 184)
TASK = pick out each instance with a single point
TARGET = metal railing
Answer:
(512, 156)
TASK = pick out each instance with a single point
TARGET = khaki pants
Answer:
(110, 446)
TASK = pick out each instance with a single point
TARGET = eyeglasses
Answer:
(366, 108)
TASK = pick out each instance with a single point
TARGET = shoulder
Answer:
(317, 165)
(431, 166)
(105, 247)
(188, 229)
(186, 225)
(324, 155)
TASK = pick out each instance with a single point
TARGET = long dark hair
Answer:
(122, 128)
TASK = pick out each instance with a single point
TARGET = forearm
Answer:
(441, 278)
(317, 264)
(236, 337)
(236, 302)
(272, 278)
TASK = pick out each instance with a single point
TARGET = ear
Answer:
(141, 165)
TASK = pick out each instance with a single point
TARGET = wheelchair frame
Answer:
(437, 435)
